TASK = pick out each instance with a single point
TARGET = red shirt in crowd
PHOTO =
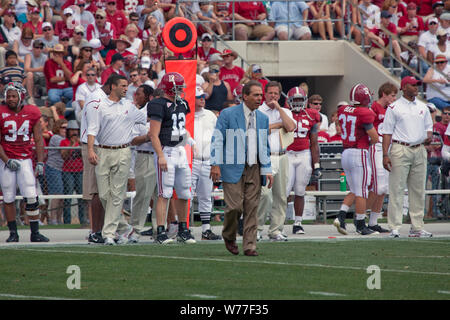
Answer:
(61, 26)
(203, 56)
(118, 20)
(248, 10)
(233, 76)
(52, 69)
(302, 132)
(378, 32)
(109, 71)
(113, 52)
(417, 25)
(36, 29)
(74, 163)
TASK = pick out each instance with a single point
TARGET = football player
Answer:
(303, 153)
(168, 132)
(19, 124)
(356, 122)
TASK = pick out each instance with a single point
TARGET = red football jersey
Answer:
(52, 69)
(17, 131)
(379, 111)
(352, 120)
(303, 129)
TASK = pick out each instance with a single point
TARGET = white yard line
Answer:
(231, 260)
(329, 294)
(444, 292)
(202, 296)
(16, 296)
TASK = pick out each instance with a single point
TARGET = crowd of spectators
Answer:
(63, 50)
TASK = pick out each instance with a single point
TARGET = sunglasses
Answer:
(207, 39)
(80, 33)
(63, 127)
(257, 71)
(99, 17)
(134, 19)
(39, 47)
(446, 113)
(316, 103)
(213, 71)
(46, 29)
(91, 74)
(441, 62)
(201, 97)
(68, 15)
(133, 75)
(65, 39)
(431, 23)
(111, 3)
(27, 38)
(87, 50)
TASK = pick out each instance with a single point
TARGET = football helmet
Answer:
(21, 91)
(237, 93)
(297, 99)
(172, 83)
(360, 95)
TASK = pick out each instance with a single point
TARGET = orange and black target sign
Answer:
(179, 35)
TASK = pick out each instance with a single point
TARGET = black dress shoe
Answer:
(13, 237)
(251, 253)
(37, 237)
(148, 232)
(231, 246)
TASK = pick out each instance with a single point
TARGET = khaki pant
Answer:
(274, 201)
(242, 197)
(112, 177)
(145, 173)
(257, 31)
(409, 167)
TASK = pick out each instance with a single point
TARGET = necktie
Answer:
(251, 140)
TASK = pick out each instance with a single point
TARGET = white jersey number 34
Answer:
(23, 131)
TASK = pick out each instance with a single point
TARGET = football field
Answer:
(368, 268)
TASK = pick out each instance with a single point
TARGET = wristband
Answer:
(316, 165)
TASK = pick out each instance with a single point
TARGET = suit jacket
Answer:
(229, 146)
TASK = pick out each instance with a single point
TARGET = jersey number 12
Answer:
(178, 124)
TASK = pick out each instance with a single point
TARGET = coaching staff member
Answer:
(240, 154)
(111, 122)
(408, 125)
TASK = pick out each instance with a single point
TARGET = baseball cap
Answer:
(199, 93)
(80, 2)
(47, 25)
(435, 20)
(73, 124)
(215, 57)
(146, 62)
(214, 67)
(68, 11)
(437, 3)
(440, 57)
(445, 16)
(100, 12)
(85, 44)
(35, 10)
(38, 44)
(227, 52)
(31, 3)
(411, 6)
(409, 80)
(441, 32)
(9, 12)
(206, 36)
(79, 28)
(256, 68)
(58, 48)
(63, 35)
(95, 43)
(116, 57)
(385, 14)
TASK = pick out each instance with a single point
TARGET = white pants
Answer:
(202, 184)
(178, 174)
(23, 178)
(299, 171)
(356, 166)
(380, 176)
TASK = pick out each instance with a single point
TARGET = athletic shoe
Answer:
(185, 236)
(173, 231)
(148, 232)
(122, 236)
(362, 229)
(297, 228)
(109, 241)
(13, 237)
(339, 222)
(209, 235)
(162, 238)
(37, 237)
(394, 234)
(95, 237)
(278, 238)
(378, 228)
(419, 234)
(258, 236)
(134, 237)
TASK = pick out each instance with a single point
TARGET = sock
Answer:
(299, 219)
(34, 226)
(373, 218)
(182, 226)
(160, 229)
(360, 216)
(344, 208)
(12, 226)
(205, 217)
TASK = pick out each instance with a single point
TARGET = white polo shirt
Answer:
(112, 122)
(92, 100)
(407, 121)
(204, 124)
(142, 129)
(274, 117)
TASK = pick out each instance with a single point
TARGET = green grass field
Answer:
(307, 269)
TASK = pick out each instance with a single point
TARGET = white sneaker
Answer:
(394, 234)
(278, 237)
(258, 236)
(122, 237)
(133, 237)
(419, 234)
(110, 242)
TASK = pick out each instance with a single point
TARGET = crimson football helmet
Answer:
(296, 99)
(360, 95)
(237, 93)
(172, 83)
(21, 91)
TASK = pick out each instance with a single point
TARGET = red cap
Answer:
(9, 12)
(227, 52)
(35, 10)
(409, 80)
(411, 6)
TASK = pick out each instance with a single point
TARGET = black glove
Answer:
(316, 174)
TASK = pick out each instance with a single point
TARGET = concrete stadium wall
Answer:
(332, 67)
